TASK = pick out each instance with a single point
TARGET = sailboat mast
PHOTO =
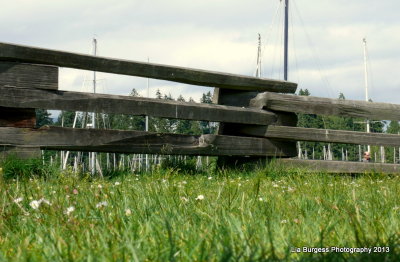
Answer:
(93, 154)
(286, 41)
(366, 83)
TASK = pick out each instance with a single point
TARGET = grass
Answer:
(221, 216)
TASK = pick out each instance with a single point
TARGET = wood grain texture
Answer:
(326, 106)
(21, 75)
(12, 52)
(321, 135)
(21, 152)
(86, 102)
(118, 141)
(343, 167)
(17, 117)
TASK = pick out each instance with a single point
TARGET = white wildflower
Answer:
(128, 212)
(209, 178)
(17, 200)
(275, 185)
(35, 204)
(102, 204)
(284, 221)
(99, 186)
(184, 182)
(69, 210)
(200, 197)
(117, 183)
(291, 189)
(184, 199)
(260, 199)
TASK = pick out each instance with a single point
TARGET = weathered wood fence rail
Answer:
(255, 119)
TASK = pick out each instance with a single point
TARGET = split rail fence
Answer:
(257, 116)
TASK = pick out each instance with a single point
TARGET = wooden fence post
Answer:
(242, 99)
(20, 75)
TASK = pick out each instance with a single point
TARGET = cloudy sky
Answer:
(326, 51)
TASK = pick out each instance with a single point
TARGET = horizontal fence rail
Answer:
(321, 135)
(86, 102)
(97, 140)
(326, 106)
(19, 53)
(343, 167)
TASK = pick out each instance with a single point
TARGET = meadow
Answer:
(170, 215)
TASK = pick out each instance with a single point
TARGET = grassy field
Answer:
(167, 215)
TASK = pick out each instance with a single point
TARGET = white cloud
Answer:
(218, 35)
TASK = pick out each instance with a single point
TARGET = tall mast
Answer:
(147, 117)
(93, 154)
(285, 72)
(366, 83)
(258, 67)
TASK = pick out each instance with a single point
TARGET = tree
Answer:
(393, 128)
(43, 118)
(205, 126)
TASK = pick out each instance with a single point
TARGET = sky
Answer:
(325, 54)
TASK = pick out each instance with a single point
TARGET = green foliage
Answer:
(13, 167)
(65, 118)
(43, 118)
(393, 128)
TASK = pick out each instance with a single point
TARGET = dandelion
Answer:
(117, 183)
(128, 212)
(200, 197)
(35, 204)
(102, 204)
(17, 200)
(69, 210)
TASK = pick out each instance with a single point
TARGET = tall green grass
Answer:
(222, 216)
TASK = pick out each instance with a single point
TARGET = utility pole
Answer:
(286, 40)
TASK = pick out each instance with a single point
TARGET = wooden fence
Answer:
(257, 116)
